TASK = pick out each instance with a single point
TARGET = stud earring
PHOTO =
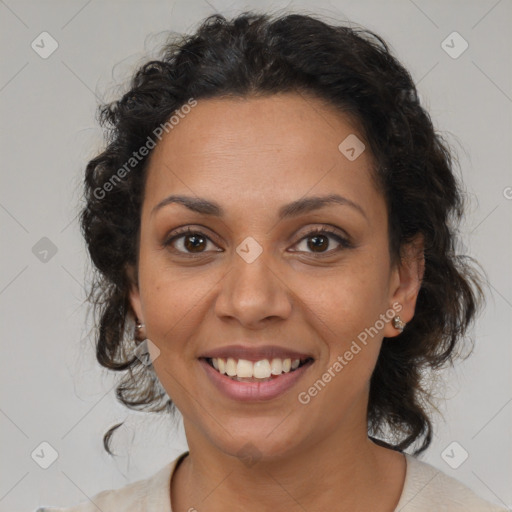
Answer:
(138, 328)
(398, 323)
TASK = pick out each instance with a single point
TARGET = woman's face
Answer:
(251, 274)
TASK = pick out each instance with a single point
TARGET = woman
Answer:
(274, 216)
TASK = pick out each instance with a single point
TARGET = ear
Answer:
(406, 282)
(134, 294)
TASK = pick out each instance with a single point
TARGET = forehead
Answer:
(265, 149)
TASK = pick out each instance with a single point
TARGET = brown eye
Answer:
(194, 243)
(319, 240)
(188, 242)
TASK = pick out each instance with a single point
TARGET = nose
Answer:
(252, 293)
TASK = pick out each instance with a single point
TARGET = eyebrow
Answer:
(293, 209)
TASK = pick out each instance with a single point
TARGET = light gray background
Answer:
(52, 387)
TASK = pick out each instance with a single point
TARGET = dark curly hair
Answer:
(354, 71)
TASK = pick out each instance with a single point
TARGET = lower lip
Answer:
(254, 391)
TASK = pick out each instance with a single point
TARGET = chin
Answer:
(258, 443)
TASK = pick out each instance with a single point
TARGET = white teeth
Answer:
(262, 369)
(244, 368)
(231, 367)
(276, 366)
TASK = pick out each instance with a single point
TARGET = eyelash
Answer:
(344, 243)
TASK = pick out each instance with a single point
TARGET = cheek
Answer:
(345, 311)
(344, 317)
(172, 312)
(167, 291)
(349, 299)
(172, 301)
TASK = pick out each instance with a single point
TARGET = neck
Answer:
(340, 472)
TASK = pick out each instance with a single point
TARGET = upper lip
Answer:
(252, 353)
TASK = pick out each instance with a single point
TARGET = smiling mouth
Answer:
(243, 370)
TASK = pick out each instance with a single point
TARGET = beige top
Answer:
(426, 489)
